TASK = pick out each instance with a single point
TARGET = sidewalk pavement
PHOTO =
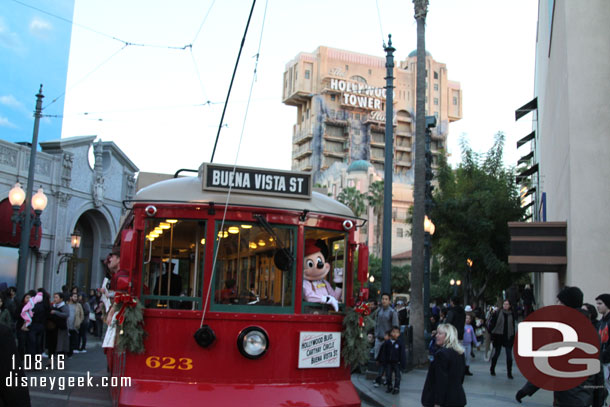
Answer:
(482, 389)
(93, 362)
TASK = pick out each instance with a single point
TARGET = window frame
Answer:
(326, 307)
(254, 308)
(202, 223)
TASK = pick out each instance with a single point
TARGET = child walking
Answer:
(395, 359)
(469, 339)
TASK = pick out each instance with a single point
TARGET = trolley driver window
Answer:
(172, 273)
(254, 268)
(324, 262)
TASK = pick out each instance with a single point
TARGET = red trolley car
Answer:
(217, 262)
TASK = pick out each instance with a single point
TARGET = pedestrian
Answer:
(381, 359)
(603, 306)
(503, 334)
(21, 327)
(11, 305)
(403, 316)
(395, 359)
(469, 340)
(39, 322)
(583, 394)
(10, 366)
(591, 313)
(528, 300)
(74, 321)
(443, 386)
(99, 314)
(5, 314)
(59, 316)
(442, 315)
(84, 326)
(386, 318)
(456, 316)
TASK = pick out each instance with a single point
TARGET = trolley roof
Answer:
(188, 190)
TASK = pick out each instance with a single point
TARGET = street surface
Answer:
(79, 365)
(482, 390)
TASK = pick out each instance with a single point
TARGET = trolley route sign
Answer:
(319, 349)
(256, 181)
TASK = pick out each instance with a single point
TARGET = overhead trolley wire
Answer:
(124, 42)
(380, 27)
(84, 77)
(203, 22)
(136, 44)
(224, 110)
(241, 136)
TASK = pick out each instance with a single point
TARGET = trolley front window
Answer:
(255, 268)
(172, 274)
(332, 247)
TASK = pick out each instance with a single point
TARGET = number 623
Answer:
(166, 362)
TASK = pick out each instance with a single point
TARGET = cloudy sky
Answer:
(152, 75)
(34, 49)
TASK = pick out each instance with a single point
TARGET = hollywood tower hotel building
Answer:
(340, 100)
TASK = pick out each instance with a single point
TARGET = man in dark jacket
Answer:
(603, 306)
(457, 317)
(581, 395)
(11, 395)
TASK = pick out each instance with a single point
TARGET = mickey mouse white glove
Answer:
(332, 301)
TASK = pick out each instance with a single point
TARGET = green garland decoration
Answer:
(131, 332)
(356, 324)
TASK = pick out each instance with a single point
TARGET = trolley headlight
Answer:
(253, 342)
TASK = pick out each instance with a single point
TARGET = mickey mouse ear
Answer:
(323, 248)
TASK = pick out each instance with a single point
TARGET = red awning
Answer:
(6, 227)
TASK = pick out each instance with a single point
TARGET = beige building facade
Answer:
(339, 134)
(571, 146)
(340, 99)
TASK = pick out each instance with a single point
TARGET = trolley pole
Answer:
(388, 167)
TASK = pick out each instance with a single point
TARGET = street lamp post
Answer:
(468, 285)
(428, 232)
(75, 244)
(453, 283)
(386, 249)
(39, 204)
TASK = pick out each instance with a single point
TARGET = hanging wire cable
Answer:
(136, 44)
(203, 22)
(203, 92)
(84, 77)
(241, 136)
(243, 40)
(380, 27)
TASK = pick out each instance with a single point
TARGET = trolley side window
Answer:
(330, 245)
(172, 273)
(255, 268)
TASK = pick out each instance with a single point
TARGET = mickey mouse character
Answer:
(315, 269)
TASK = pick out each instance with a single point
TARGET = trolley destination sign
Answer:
(319, 349)
(256, 181)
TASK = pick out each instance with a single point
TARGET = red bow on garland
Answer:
(362, 309)
(127, 301)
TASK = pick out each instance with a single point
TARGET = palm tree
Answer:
(375, 199)
(417, 266)
(353, 199)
